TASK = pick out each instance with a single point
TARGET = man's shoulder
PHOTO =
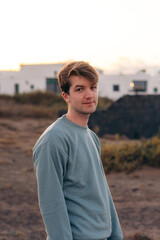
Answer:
(95, 139)
(94, 135)
(53, 134)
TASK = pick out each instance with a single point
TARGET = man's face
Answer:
(83, 95)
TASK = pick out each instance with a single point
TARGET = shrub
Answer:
(130, 156)
(125, 157)
(104, 103)
(33, 105)
(5, 97)
(40, 98)
(151, 152)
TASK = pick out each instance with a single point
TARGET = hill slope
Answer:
(134, 116)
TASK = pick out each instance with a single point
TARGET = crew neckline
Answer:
(72, 123)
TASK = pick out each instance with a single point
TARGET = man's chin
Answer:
(90, 112)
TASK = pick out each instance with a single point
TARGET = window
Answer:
(139, 86)
(116, 88)
(16, 88)
(52, 85)
(155, 89)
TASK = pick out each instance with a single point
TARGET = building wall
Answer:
(36, 75)
(29, 76)
(8, 79)
(107, 82)
(154, 83)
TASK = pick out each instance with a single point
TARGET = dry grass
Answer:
(5, 161)
(7, 141)
(140, 236)
(130, 156)
(37, 105)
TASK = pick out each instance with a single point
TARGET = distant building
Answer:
(116, 86)
(30, 78)
(44, 77)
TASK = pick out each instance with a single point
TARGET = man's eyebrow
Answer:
(79, 86)
(82, 86)
(94, 84)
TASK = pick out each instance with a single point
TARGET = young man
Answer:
(74, 197)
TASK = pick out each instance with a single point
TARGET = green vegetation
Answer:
(32, 105)
(39, 98)
(104, 103)
(130, 156)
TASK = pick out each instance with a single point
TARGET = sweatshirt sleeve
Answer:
(116, 232)
(50, 167)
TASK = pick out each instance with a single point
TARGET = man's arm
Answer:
(50, 167)
(116, 228)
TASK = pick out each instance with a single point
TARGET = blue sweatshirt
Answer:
(73, 193)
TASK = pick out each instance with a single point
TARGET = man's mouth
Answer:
(88, 103)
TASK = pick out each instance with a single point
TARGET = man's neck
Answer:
(80, 119)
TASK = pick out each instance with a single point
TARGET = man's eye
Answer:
(94, 87)
(78, 89)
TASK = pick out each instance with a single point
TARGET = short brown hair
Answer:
(77, 68)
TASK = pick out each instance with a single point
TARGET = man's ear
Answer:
(65, 97)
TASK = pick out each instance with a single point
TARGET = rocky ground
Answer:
(136, 195)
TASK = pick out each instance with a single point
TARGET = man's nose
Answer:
(88, 93)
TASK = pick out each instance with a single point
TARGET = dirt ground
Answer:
(136, 195)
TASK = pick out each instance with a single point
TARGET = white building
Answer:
(116, 86)
(29, 78)
(44, 77)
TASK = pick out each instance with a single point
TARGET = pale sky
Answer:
(106, 33)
